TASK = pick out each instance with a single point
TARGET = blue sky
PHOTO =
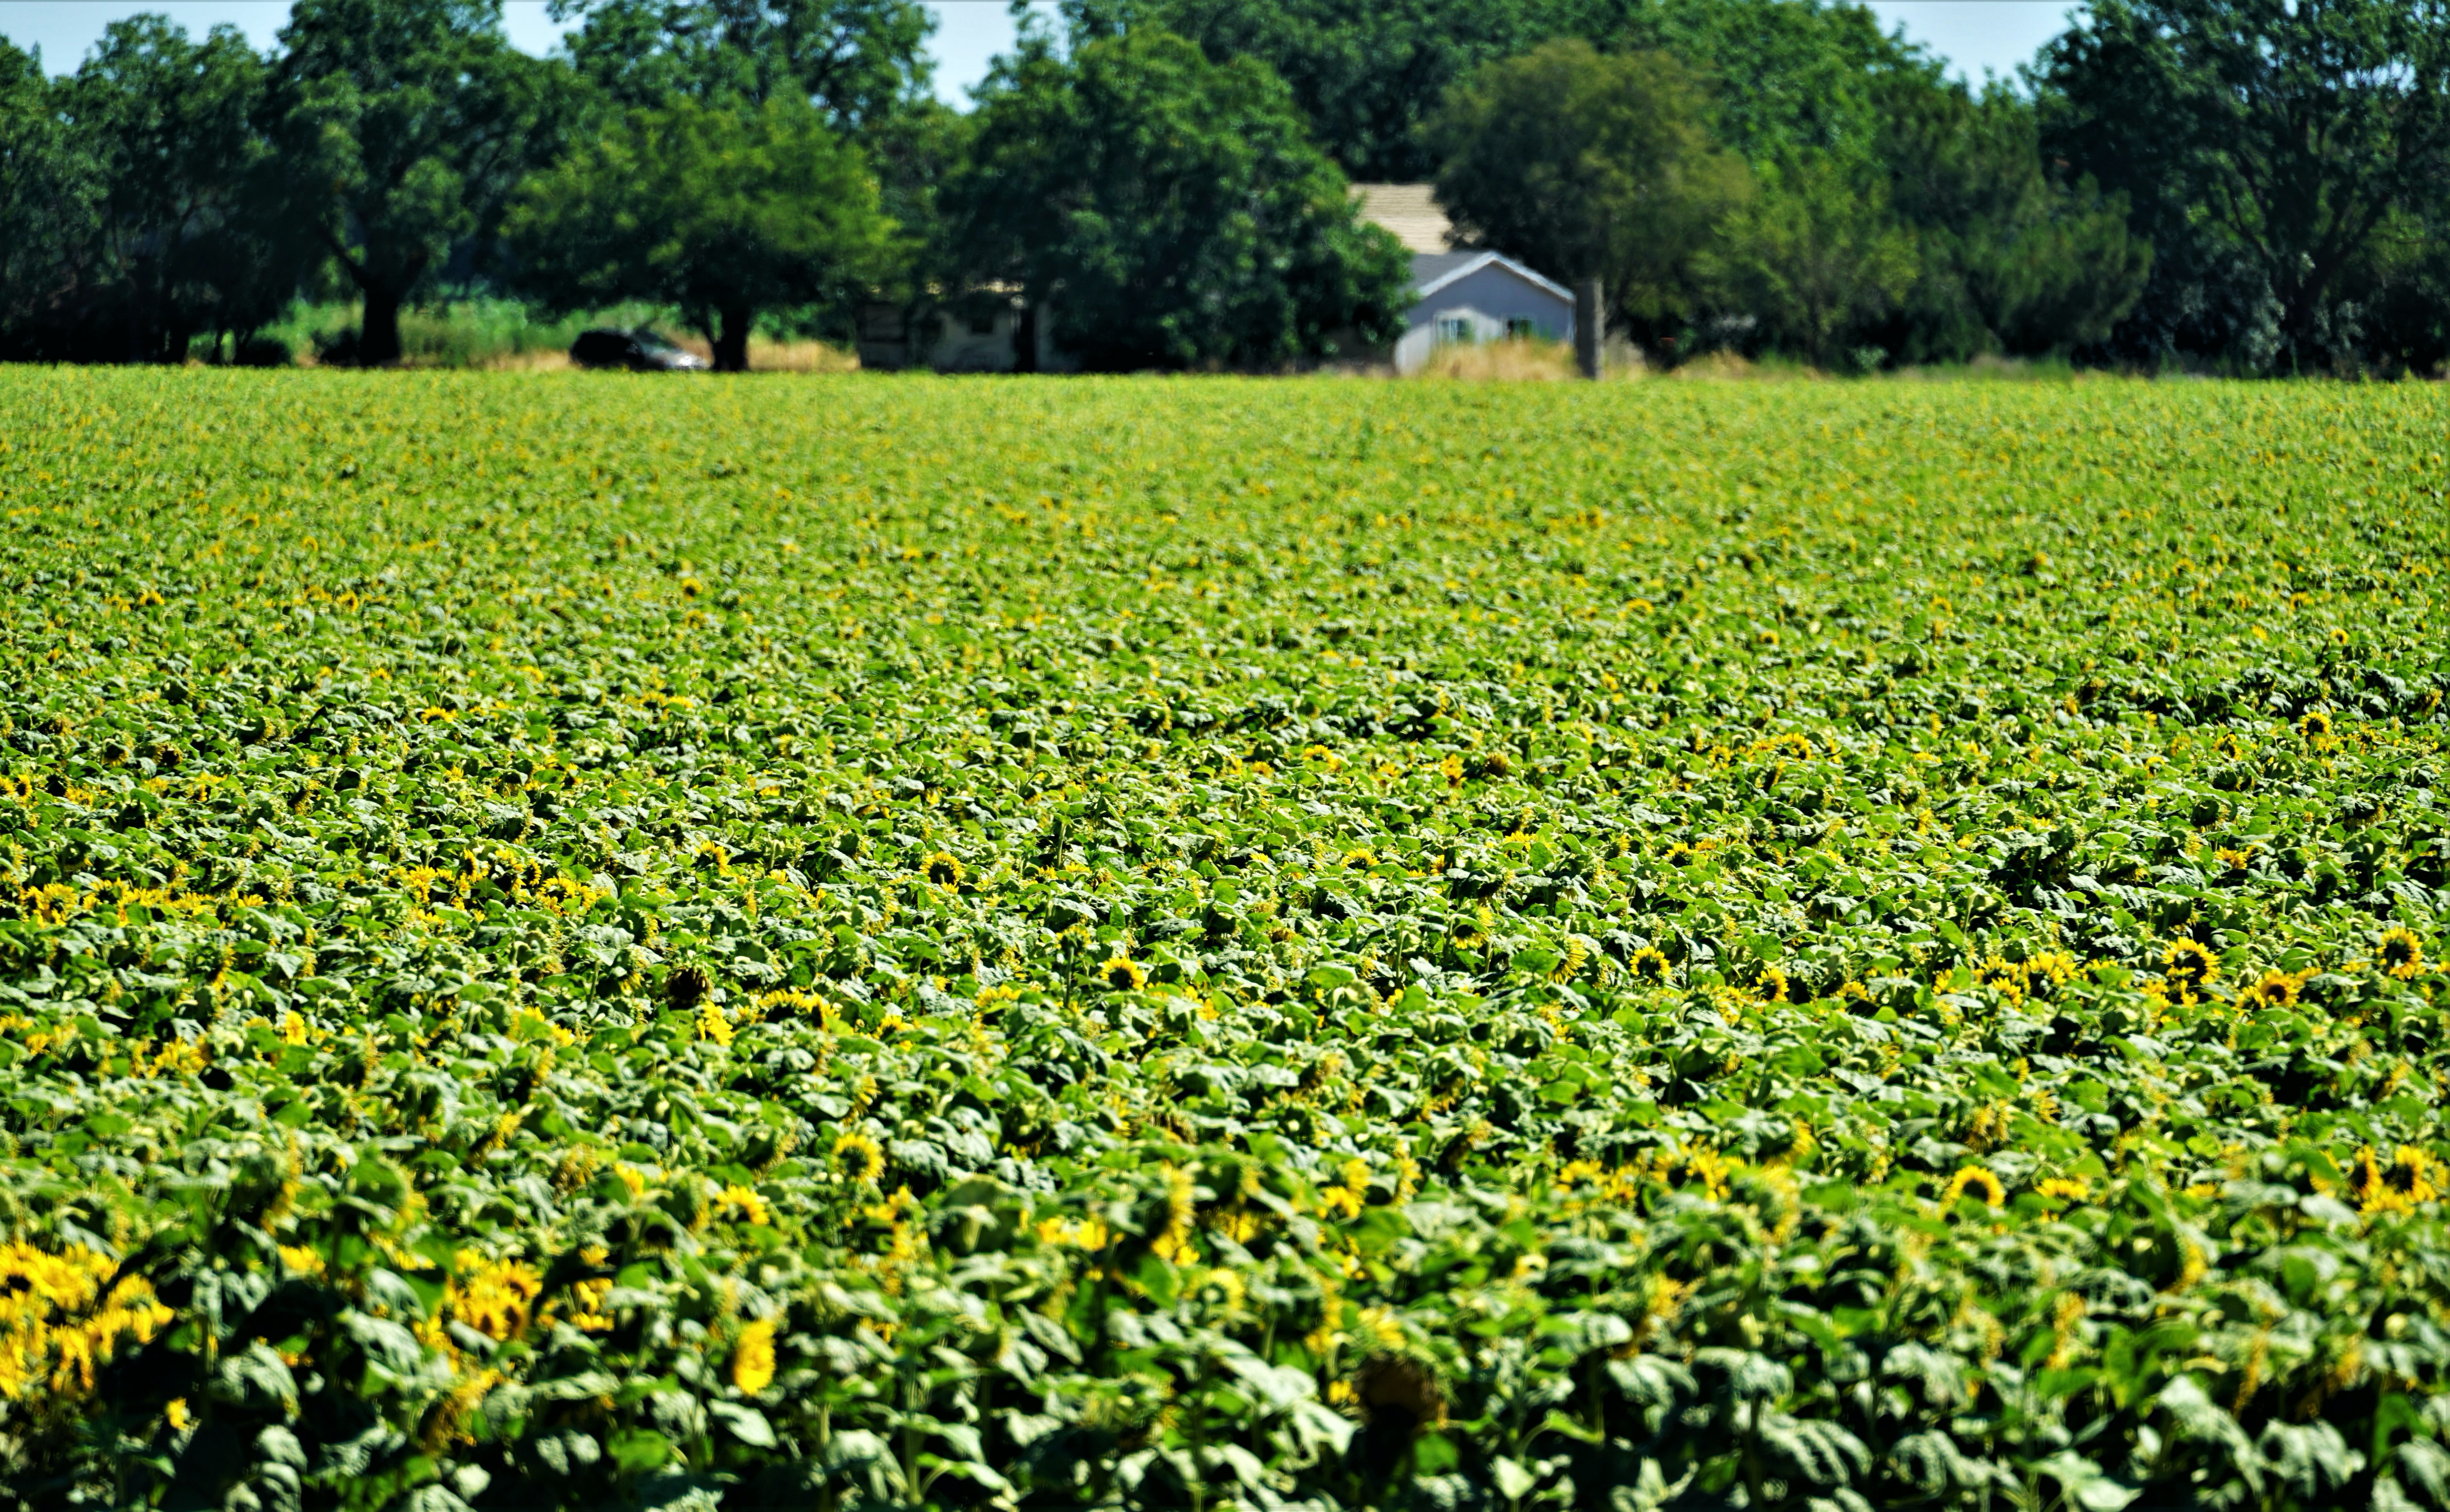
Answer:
(1977, 36)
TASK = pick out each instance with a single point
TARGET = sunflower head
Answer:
(2402, 954)
(2188, 966)
(2006, 977)
(858, 1157)
(753, 1357)
(2316, 725)
(943, 868)
(1680, 854)
(1123, 974)
(2396, 1187)
(1773, 985)
(1648, 965)
(2047, 971)
(2273, 989)
(1975, 1181)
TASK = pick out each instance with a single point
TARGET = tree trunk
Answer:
(379, 333)
(731, 342)
(1025, 340)
(1590, 328)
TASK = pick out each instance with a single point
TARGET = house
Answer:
(1463, 296)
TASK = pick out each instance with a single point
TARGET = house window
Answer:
(1454, 328)
(1520, 328)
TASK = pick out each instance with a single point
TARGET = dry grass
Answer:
(1534, 362)
(783, 356)
(547, 361)
(1501, 361)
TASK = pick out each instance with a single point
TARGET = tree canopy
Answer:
(407, 124)
(2264, 146)
(719, 211)
(1587, 164)
(1174, 209)
(858, 61)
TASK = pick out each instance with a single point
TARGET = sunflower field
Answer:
(835, 944)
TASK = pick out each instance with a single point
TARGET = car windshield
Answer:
(646, 337)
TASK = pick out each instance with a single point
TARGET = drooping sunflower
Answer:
(858, 1157)
(2006, 977)
(2402, 954)
(2047, 970)
(1122, 972)
(2398, 1187)
(2273, 989)
(1650, 966)
(2188, 967)
(942, 868)
(1975, 1181)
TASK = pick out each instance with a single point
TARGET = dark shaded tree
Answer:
(189, 238)
(718, 211)
(49, 222)
(404, 127)
(2263, 147)
(1584, 165)
(2011, 260)
(1172, 208)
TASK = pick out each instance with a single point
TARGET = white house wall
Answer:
(1497, 293)
(1487, 298)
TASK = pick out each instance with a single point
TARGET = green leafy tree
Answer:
(1789, 77)
(1587, 164)
(2011, 260)
(2262, 144)
(191, 237)
(1174, 209)
(48, 211)
(861, 62)
(1366, 74)
(1816, 256)
(405, 126)
(721, 211)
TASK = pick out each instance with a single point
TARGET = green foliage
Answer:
(47, 207)
(1174, 209)
(1816, 255)
(717, 210)
(185, 240)
(406, 126)
(2010, 262)
(861, 62)
(623, 944)
(2263, 148)
(1584, 165)
(1366, 76)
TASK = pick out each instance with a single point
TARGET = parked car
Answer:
(640, 351)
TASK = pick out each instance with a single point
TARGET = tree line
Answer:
(2240, 185)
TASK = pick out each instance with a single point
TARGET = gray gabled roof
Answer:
(1433, 271)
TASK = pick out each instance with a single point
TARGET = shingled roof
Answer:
(1409, 211)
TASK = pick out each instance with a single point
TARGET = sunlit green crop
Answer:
(838, 942)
